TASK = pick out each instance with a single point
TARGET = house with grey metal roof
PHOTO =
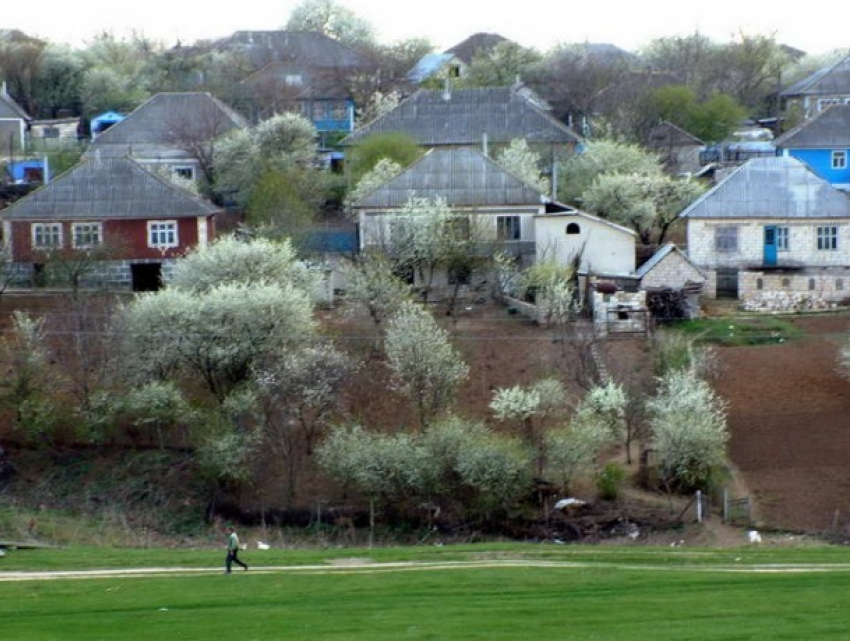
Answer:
(502, 212)
(678, 150)
(771, 225)
(825, 87)
(475, 117)
(302, 71)
(135, 222)
(823, 143)
(175, 132)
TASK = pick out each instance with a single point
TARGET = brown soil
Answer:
(788, 404)
(788, 416)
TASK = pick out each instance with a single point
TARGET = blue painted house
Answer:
(822, 143)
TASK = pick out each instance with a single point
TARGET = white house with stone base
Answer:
(772, 230)
(494, 212)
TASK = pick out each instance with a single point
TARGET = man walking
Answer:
(233, 551)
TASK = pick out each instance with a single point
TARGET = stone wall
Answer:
(620, 313)
(793, 291)
(802, 243)
(113, 274)
(674, 271)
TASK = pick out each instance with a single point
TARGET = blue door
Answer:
(770, 246)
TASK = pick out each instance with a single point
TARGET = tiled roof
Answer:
(165, 118)
(465, 116)
(828, 129)
(772, 187)
(462, 176)
(113, 188)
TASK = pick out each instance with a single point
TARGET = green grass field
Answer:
(451, 592)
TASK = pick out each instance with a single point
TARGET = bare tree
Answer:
(198, 134)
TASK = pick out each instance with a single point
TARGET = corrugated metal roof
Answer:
(828, 129)
(666, 133)
(659, 256)
(462, 177)
(112, 188)
(773, 187)
(165, 119)
(569, 212)
(428, 65)
(308, 49)
(831, 80)
(11, 109)
(464, 116)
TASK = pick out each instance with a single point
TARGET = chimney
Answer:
(447, 89)
(485, 147)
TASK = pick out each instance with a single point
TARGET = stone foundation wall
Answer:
(798, 291)
(116, 274)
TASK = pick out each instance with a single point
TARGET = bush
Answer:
(609, 481)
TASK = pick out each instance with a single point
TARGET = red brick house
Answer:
(132, 222)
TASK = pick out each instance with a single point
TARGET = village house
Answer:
(772, 228)
(480, 118)
(170, 132)
(116, 223)
(302, 71)
(823, 143)
(678, 151)
(501, 213)
(825, 87)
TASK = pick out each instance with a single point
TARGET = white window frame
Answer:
(827, 238)
(508, 228)
(783, 239)
(839, 159)
(54, 231)
(162, 234)
(726, 239)
(90, 233)
(824, 103)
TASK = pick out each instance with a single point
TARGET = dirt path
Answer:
(361, 566)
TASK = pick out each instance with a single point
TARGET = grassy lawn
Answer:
(599, 593)
(759, 330)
